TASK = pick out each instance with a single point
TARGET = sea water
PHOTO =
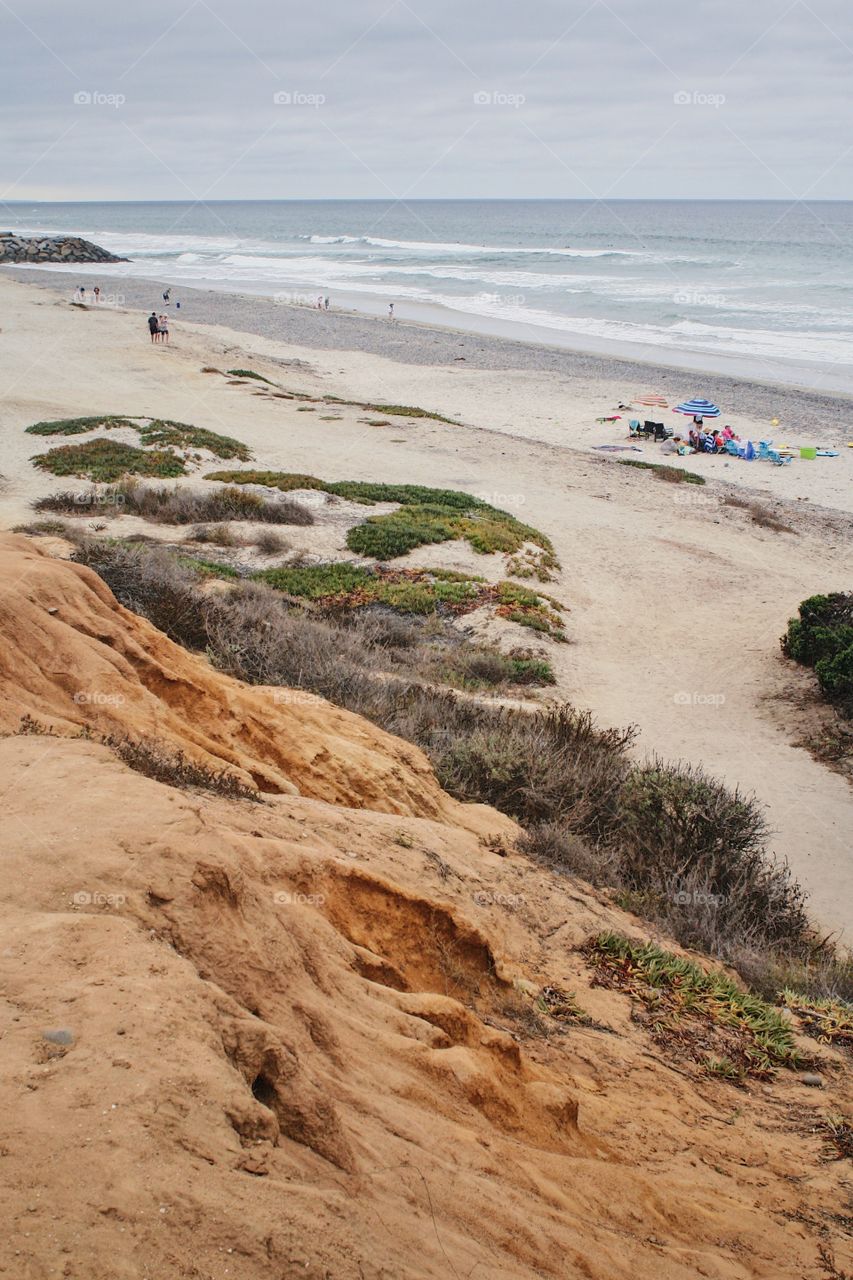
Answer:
(763, 287)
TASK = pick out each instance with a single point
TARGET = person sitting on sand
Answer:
(153, 326)
(163, 326)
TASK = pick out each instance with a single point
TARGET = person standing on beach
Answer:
(163, 326)
(97, 292)
(326, 304)
(390, 310)
(166, 296)
(153, 326)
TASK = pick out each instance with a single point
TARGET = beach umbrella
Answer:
(698, 408)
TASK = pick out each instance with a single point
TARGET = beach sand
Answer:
(677, 600)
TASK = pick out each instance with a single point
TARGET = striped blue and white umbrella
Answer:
(698, 408)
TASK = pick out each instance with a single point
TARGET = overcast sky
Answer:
(176, 99)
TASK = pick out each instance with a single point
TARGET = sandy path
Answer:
(671, 594)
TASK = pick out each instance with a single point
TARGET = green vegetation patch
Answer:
(826, 1020)
(697, 1014)
(425, 516)
(674, 475)
(162, 432)
(408, 411)
(106, 460)
(208, 568)
(822, 637)
(416, 591)
(77, 426)
(249, 373)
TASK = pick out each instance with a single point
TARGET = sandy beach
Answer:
(677, 599)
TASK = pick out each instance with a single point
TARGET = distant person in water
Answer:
(153, 326)
(390, 310)
(163, 326)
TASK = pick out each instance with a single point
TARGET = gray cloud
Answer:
(426, 97)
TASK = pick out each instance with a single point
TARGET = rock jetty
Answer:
(51, 249)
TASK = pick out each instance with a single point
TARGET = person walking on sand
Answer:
(326, 304)
(166, 295)
(97, 292)
(164, 328)
(153, 326)
(390, 310)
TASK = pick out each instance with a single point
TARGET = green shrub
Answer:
(407, 411)
(174, 504)
(822, 637)
(425, 516)
(412, 591)
(694, 1009)
(249, 373)
(317, 582)
(674, 475)
(106, 460)
(386, 537)
(161, 432)
(77, 426)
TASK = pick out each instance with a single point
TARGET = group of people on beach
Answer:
(80, 293)
(158, 327)
(698, 440)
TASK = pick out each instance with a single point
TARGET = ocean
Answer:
(763, 288)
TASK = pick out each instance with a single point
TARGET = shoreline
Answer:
(413, 342)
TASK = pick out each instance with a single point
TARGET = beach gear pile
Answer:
(698, 438)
